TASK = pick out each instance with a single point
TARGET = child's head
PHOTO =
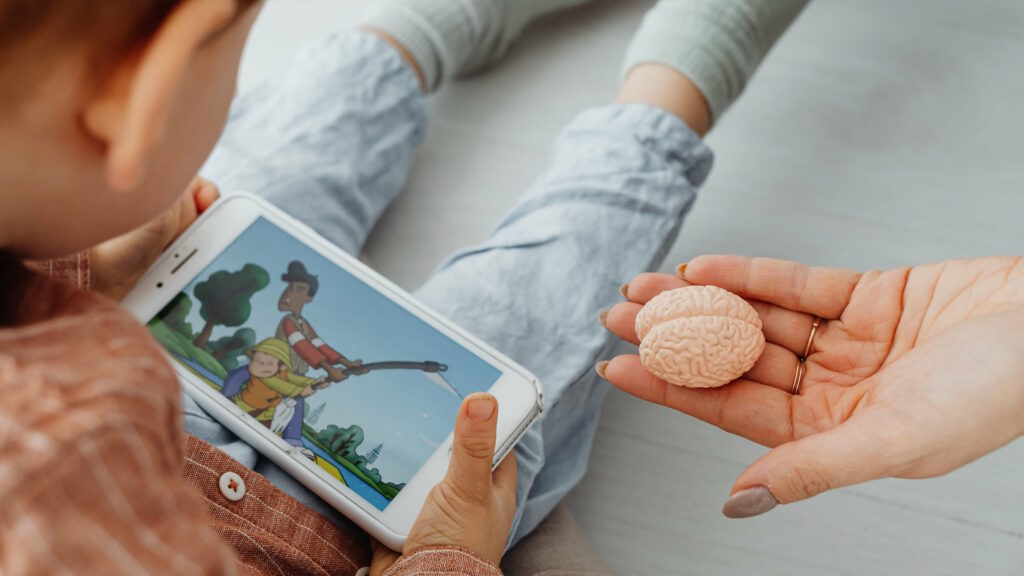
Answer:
(264, 365)
(269, 358)
(107, 110)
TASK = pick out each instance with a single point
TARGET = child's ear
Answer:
(130, 110)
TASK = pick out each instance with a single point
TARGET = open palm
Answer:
(913, 372)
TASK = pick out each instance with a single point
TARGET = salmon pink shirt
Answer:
(98, 477)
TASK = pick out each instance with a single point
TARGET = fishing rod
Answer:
(427, 366)
(431, 369)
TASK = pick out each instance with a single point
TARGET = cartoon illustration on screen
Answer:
(262, 388)
(305, 348)
(273, 366)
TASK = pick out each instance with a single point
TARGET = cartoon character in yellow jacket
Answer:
(270, 381)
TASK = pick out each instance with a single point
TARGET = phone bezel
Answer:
(519, 393)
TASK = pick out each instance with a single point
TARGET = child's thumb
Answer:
(849, 454)
(473, 447)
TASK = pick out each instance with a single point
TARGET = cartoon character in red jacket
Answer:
(307, 349)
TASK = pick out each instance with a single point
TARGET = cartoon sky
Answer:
(404, 410)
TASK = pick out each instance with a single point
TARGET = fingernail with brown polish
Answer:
(603, 318)
(681, 271)
(750, 502)
(601, 367)
(624, 291)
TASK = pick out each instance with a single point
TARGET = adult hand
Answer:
(334, 374)
(117, 264)
(354, 366)
(472, 508)
(914, 372)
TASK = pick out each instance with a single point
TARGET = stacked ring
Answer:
(801, 366)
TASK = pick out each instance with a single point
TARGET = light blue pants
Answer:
(331, 142)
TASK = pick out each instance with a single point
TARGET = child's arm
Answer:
(291, 385)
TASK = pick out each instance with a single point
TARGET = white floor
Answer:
(879, 133)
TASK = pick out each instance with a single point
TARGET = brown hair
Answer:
(36, 34)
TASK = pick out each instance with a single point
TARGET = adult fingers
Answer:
(621, 321)
(754, 411)
(849, 454)
(648, 285)
(621, 318)
(776, 368)
(786, 328)
(821, 292)
(473, 447)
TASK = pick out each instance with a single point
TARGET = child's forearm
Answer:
(716, 44)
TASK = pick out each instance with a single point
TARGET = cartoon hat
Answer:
(277, 348)
(297, 273)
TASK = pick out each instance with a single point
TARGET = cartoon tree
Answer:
(342, 442)
(225, 298)
(175, 313)
(372, 473)
(314, 415)
(372, 455)
(227, 349)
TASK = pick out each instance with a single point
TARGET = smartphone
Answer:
(341, 378)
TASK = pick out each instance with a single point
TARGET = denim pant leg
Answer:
(330, 140)
(621, 180)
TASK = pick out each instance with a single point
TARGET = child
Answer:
(259, 388)
(107, 110)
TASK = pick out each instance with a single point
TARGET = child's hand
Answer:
(471, 508)
(117, 264)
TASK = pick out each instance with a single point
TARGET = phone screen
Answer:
(354, 381)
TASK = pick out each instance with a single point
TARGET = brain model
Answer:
(699, 336)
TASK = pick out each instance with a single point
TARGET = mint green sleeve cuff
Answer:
(717, 44)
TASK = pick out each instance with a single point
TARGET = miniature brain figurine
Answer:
(699, 336)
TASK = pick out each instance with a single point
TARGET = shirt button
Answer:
(232, 486)
(364, 571)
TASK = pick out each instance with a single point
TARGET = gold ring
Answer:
(810, 339)
(798, 379)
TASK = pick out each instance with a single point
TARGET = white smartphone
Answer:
(325, 367)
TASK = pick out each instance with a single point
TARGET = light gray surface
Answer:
(879, 133)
